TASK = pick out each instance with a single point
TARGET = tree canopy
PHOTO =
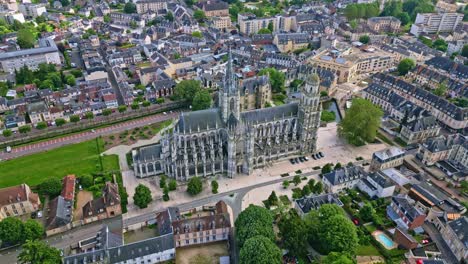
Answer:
(186, 90)
(142, 196)
(25, 38)
(195, 186)
(292, 229)
(260, 250)
(38, 252)
(363, 10)
(51, 187)
(364, 39)
(361, 122)
(11, 230)
(254, 221)
(130, 8)
(277, 79)
(202, 100)
(405, 66)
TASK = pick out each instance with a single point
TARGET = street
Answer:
(84, 136)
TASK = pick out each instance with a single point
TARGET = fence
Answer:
(85, 124)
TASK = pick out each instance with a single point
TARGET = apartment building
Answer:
(202, 227)
(434, 23)
(18, 200)
(388, 158)
(419, 130)
(249, 24)
(144, 6)
(386, 24)
(286, 42)
(220, 23)
(32, 10)
(447, 113)
(451, 147)
(11, 15)
(47, 52)
(455, 234)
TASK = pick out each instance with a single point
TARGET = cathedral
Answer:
(227, 141)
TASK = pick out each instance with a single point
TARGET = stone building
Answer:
(225, 140)
(255, 92)
(18, 200)
(387, 24)
(388, 158)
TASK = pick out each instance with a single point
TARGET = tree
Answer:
(367, 212)
(38, 252)
(297, 180)
(254, 221)
(318, 188)
(135, 105)
(32, 230)
(195, 186)
(440, 90)
(196, 34)
(273, 199)
(292, 229)
(7, 133)
(165, 194)
(146, 103)
(199, 15)
(364, 39)
(337, 258)
(11, 231)
(440, 44)
(260, 250)
(172, 185)
(130, 8)
(142, 196)
(464, 52)
(202, 100)
(41, 125)
(264, 31)
(169, 16)
(327, 168)
(277, 78)
(285, 184)
(122, 108)
(270, 26)
(90, 115)
(74, 118)
(327, 116)
(404, 18)
(25, 38)
(392, 8)
(186, 90)
(338, 234)
(65, 2)
(24, 129)
(162, 181)
(86, 181)
(51, 187)
(214, 186)
(60, 122)
(70, 80)
(106, 112)
(337, 166)
(361, 122)
(306, 190)
(405, 66)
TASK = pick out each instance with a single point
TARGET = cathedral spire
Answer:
(230, 84)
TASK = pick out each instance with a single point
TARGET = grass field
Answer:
(78, 159)
(368, 250)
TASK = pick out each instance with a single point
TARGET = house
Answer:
(419, 130)
(404, 212)
(313, 202)
(455, 234)
(343, 178)
(18, 200)
(453, 148)
(103, 207)
(388, 158)
(404, 239)
(376, 184)
(202, 227)
(60, 214)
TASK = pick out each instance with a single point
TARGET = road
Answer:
(64, 240)
(84, 136)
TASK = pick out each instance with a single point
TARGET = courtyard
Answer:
(207, 253)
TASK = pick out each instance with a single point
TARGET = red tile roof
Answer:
(68, 187)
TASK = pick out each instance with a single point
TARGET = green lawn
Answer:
(371, 228)
(78, 159)
(368, 250)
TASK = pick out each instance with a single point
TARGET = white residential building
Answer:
(32, 10)
(431, 23)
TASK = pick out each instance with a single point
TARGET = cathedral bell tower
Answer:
(229, 96)
(309, 112)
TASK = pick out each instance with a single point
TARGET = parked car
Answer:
(321, 154)
(39, 214)
(306, 158)
(292, 161)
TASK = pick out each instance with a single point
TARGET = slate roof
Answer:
(345, 174)
(407, 206)
(149, 153)
(251, 84)
(314, 202)
(422, 124)
(460, 227)
(270, 114)
(60, 213)
(202, 120)
(381, 180)
(141, 248)
(444, 63)
(45, 46)
(442, 143)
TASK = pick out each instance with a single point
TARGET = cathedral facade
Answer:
(228, 141)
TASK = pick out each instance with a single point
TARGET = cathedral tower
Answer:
(309, 112)
(229, 96)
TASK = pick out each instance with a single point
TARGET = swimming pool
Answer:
(385, 240)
